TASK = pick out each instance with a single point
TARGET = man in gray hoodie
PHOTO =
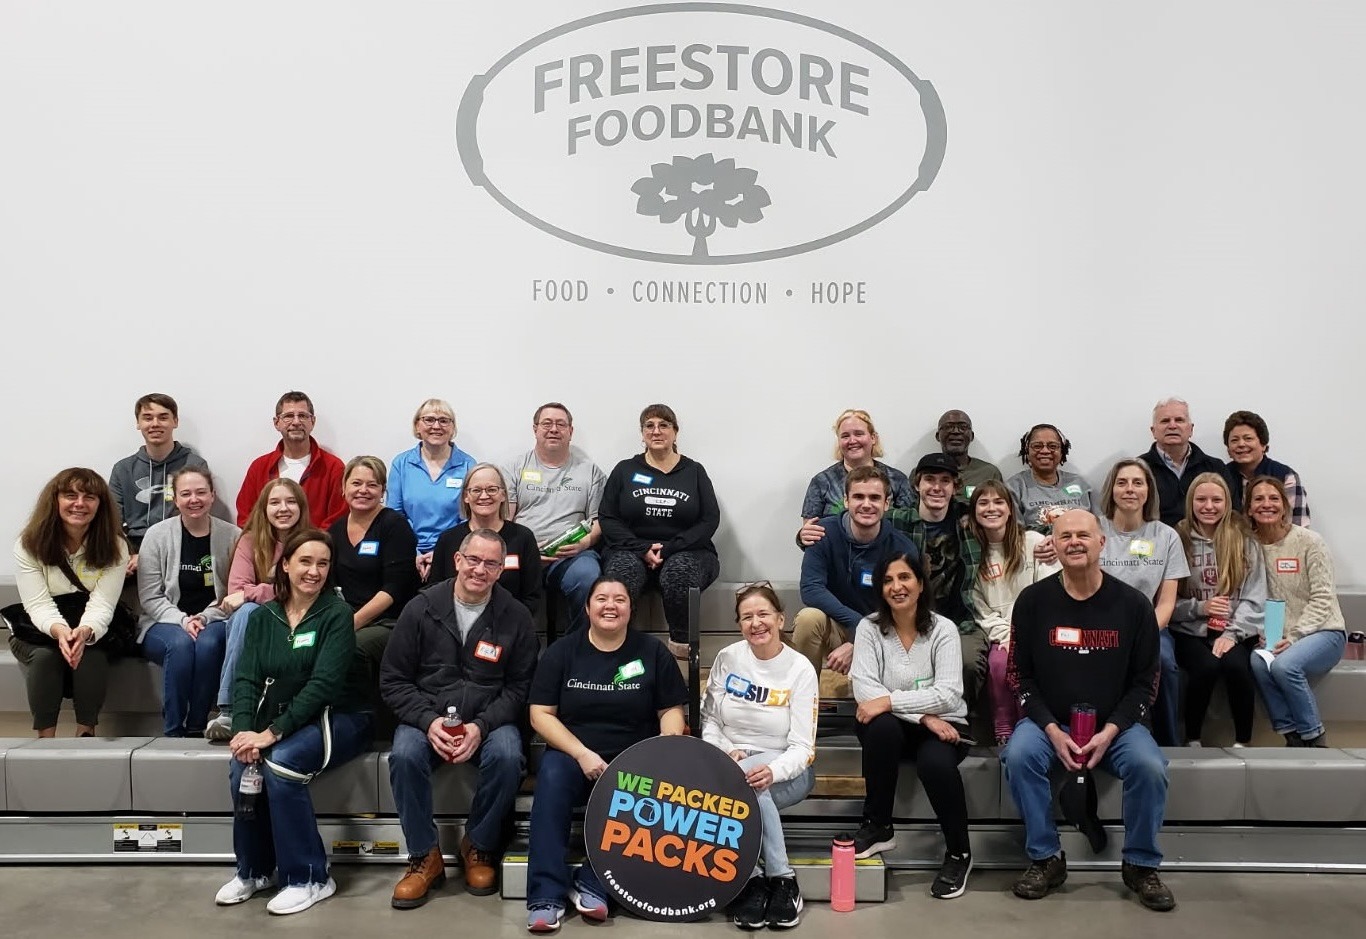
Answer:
(141, 483)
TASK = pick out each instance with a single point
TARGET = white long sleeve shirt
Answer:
(758, 705)
(38, 584)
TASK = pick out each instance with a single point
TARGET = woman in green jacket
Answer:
(298, 706)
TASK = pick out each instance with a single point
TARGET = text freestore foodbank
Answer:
(652, 92)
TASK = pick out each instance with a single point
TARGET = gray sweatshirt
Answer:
(1248, 603)
(141, 488)
(925, 679)
(159, 572)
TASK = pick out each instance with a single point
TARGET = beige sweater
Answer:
(993, 597)
(1299, 570)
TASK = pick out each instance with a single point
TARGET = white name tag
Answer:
(1141, 548)
(454, 483)
(512, 563)
(531, 476)
(641, 479)
(368, 549)
(1072, 490)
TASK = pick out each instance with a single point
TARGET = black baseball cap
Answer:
(937, 463)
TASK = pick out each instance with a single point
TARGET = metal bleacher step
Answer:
(812, 865)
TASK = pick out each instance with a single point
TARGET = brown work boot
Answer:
(423, 874)
(481, 869)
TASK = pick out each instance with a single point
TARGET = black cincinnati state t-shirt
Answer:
(196, 574)
(609, 700)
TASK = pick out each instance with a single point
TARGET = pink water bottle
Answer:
(842, 873)
(1083, 726)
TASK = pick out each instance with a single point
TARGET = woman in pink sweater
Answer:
(281, 510)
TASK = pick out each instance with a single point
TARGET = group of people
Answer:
(352, 590)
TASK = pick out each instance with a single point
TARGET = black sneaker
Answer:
(953, 877)
(784, 903)
(1152, 892)
(750, 909)
(873, 839)
(1320, 741)
(1041, 877)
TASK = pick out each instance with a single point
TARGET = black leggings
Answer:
(886, 739)
(673, 578)
(1195, 655)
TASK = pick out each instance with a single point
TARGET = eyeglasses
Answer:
(488, 564)
(433, 421)
(478, 491)
(962, 426)
(1045, 448)
(746, 588)
(290, 417)
(552, 425)
(657, 425)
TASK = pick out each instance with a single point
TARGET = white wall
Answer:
(225, 202)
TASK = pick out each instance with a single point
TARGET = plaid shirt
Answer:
(969, 551)
(1299, 498)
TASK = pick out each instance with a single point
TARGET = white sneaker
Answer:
(220, 728)
(1193, 744)
(238, 890)
(298, 899)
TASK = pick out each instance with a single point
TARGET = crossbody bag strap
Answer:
(325, 725)
(65, 565)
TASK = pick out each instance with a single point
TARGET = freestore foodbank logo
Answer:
(701, 133)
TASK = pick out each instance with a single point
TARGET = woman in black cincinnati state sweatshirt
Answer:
(658, 514)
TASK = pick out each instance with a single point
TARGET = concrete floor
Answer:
(111, 902)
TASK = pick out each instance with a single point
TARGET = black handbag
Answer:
(120, 640)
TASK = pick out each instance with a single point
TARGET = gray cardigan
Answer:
(159, 572)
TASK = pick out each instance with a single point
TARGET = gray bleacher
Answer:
(1217, 790)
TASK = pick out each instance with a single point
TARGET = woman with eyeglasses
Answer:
(658, 515)
(425, 482)
(773, 738)
(372, 557)
(1043, 490)
(485, 505)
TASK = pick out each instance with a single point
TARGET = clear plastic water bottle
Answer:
(842, 873)
(248, 789)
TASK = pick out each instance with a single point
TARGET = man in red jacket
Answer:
(298, 457)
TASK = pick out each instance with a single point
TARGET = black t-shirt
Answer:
(196, 574)
(609, 700)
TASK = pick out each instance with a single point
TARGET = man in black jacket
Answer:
(1085, 638)
(1174, 460)
(467, 645)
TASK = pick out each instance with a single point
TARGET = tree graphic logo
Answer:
(703, 192)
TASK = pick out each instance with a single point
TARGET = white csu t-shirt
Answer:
(294, 469)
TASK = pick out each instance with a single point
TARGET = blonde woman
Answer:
(1218, 618)
(426, 482)
(856, 444)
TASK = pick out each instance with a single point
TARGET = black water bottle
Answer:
(248, 790)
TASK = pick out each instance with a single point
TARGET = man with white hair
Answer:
(1174, 460)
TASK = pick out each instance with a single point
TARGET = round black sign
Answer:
(672, 829)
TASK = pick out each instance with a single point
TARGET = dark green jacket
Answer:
(308, 669)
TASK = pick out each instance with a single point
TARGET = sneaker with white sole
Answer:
(589, 903)
(238, 890)
(297, 899)
(544, 917)
(220, 728)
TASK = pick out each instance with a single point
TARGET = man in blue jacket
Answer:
(469, 644)
(837, 571)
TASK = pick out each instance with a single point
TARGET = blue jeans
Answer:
(1132, 756)
(574, 577)
(237, 634)
(773, 850)
(1167, 711)
(284, 834)
(561, 786)
(189, 672)
(1284, 684)
(501, 767)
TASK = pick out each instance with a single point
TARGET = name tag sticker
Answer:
(531, 476)
(368, 549)
(921, 683)
(1287, 565)
(168, 494)
(1066, 636)
(1072, 490)
(487, 651)
(1141, 548)
(866, 578)
(304, 640)
(512, 563)
(453, 482)
(631, 669)
(643, 480)
(208, 578)
(967, 491)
